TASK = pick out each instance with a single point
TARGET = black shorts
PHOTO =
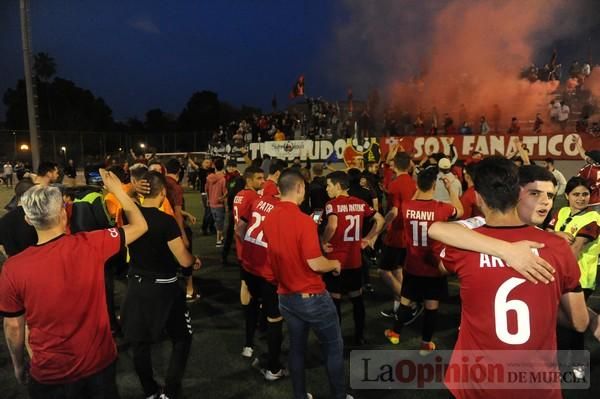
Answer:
(419, 288)
(392, 258)
(264, 291)
(349, 280)
(151, 309)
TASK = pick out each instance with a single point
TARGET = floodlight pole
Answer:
(30, 84)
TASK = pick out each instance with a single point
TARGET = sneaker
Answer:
(270, 376)
(426, 348)
(348, 396)
(219, 244)
(247, 351)
(417, 311)
(309, 396)
(389, 313)
(163, 396)
(392, 336)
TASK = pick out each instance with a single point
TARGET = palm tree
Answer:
(44, 66)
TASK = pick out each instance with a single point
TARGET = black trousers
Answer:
(208, 222)
(101, 385)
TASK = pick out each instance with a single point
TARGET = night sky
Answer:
(140, 55)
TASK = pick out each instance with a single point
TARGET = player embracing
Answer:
(422, 277)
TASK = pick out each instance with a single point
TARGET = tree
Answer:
(158, 121)
(44, 66)
(201, 112)
(73, 108)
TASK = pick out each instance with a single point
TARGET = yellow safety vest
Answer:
(588, 257)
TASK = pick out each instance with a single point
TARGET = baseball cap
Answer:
(594, 155)
(444, 163)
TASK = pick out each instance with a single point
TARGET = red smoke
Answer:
(475, 58)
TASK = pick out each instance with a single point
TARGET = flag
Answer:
(298, 89)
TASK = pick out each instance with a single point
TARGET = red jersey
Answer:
(388, 176)
(174, 192)
(503, 311)
(254, 257)
(401, 189)
(469, 203)
(417, 216)
(591, 173)
(351, 213)
(292, 239)
(242, 206)
(269, 189)
(59, 287)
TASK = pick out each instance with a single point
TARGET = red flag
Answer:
(298, 89)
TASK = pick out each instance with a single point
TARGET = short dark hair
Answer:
(289, 179)
(402, 161)
(173, 166)
(251, 171)
(549, 160)
(471, 169)
(118, 171)
(266, 156)
(530, 173)
(219, 164)
(497, 181)
(575, 182)
(46, 167)
(157, 182)
(277, 165)
(341, 178)
(426, 178)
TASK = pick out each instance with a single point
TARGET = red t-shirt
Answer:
(59, 286)
(351, 213)
(174, 192)
(401, 189)
(254, 257)
(269, 189)
(469, 203)
(591, 173)
(388, 176)
(242, 205)
(503, 311)
(292, 239)
(417, 216)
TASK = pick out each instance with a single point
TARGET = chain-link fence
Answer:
(85, 147)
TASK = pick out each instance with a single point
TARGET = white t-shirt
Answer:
(564, 113)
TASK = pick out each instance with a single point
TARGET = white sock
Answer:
(396, 305)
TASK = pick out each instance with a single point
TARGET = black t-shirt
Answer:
(363, 193)
(150, 254)
(202, 175)
(234, 186)
(15, 234)
(318, 193)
